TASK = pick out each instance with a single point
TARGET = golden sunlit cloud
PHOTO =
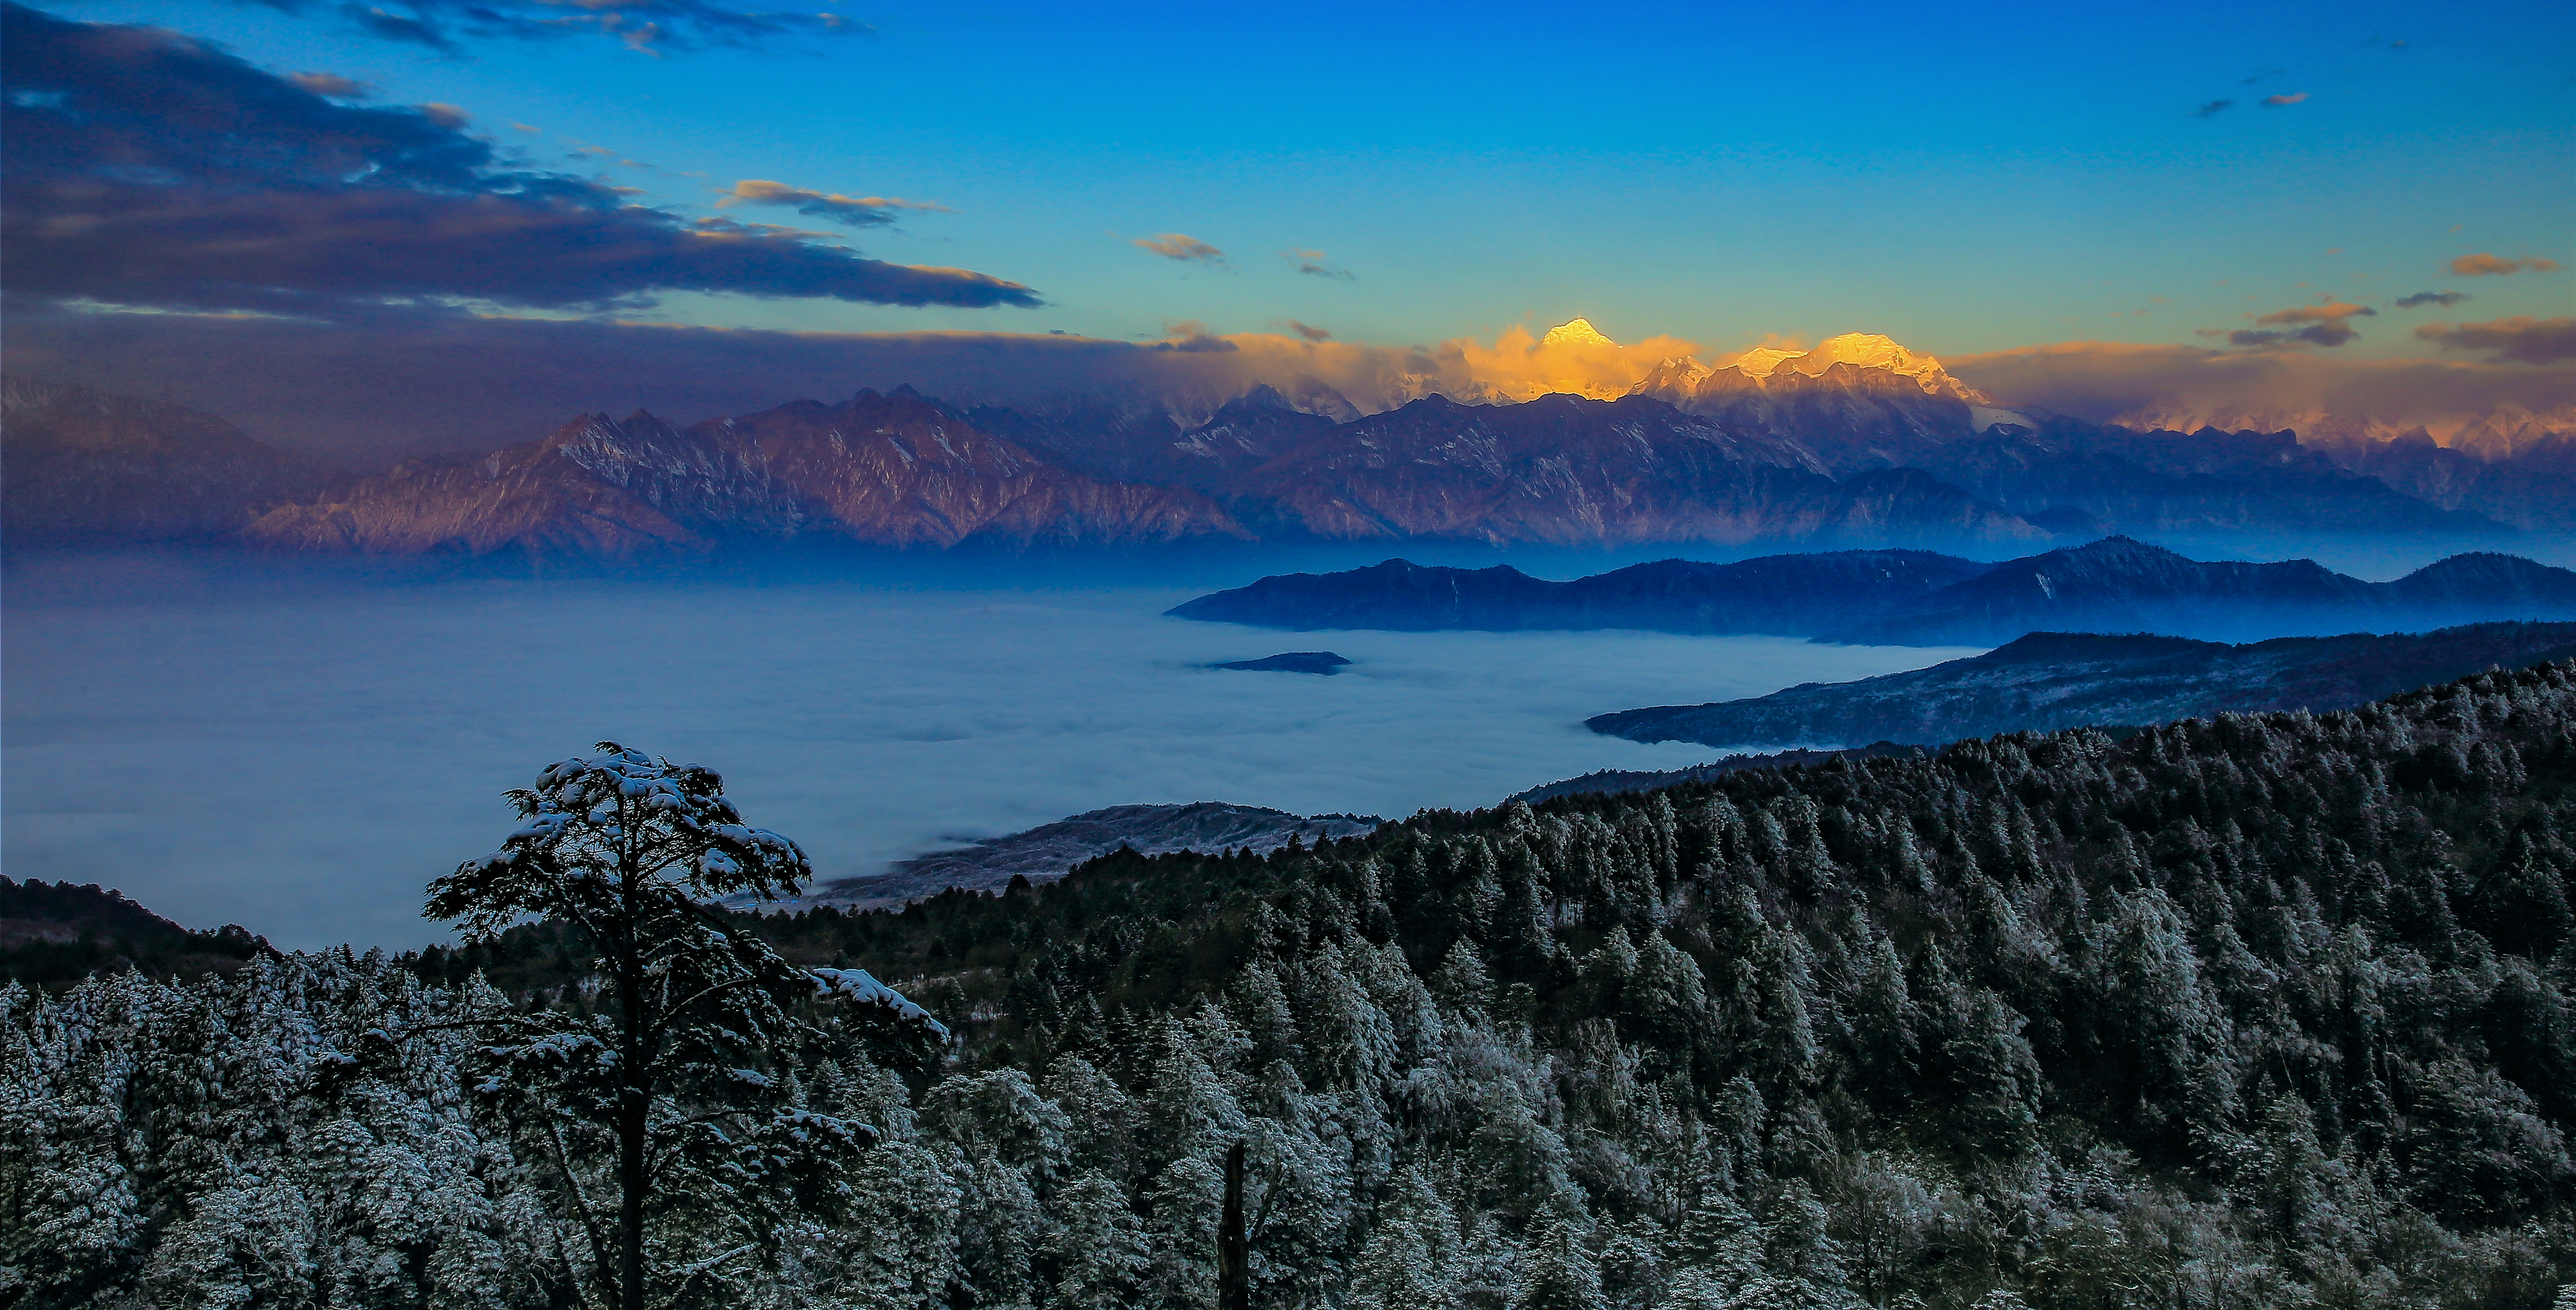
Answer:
(2486, 265)
(333, 85)
(1182, 246)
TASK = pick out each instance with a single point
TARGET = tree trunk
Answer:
(1233, 1254)
(634, 1103)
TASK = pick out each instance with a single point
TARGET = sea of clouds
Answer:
(301, 757)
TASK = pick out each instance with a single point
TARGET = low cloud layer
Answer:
(2511, 340)
(195, 751)
(370, 384)
(147, 168)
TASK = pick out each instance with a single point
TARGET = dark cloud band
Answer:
(146, 168)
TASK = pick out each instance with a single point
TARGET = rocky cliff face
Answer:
(891, 470)
(84, 465)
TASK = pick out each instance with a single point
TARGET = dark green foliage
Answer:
(52, 935)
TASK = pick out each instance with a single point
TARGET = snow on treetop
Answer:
(860, 987)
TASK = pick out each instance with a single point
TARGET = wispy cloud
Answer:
(333, 85)
(1312, 262)
(1309, 331)
(2486, 265)
(2290, 99)
(2520, 340)
(647, 27)
(1183, 247)
(2213, 108)
(2314, 325)
(856, 211)
(2420, 299)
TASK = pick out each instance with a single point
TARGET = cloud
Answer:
(447, 116)
(857, 211)
(2186, 387)
(2325, 326)
(644, 26)
(1312, 262)
(2322, 334)
(2520, 340)
(1183, 247)
(2280, 100)
(2486, 265)
(2420, 299)
(1309, 331)
(158, 170)
(2213, 108)
(370, 383)
(333, 85)
(2332, 312)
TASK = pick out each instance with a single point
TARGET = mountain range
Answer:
(2051, 680)
(1857, 443)
(1910, 598)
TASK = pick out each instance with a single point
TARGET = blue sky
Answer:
(1963, 182)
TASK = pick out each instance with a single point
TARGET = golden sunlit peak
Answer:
(1759, 361)
(1575, 332)
(1869, 350)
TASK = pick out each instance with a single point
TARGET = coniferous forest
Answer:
(2259, 1011)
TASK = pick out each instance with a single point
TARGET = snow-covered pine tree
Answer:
(661, 1095)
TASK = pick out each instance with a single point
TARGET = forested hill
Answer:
(2253, 1012)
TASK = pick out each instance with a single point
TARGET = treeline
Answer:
(2259, 1011)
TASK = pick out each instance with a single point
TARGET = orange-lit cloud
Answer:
(2486, 265)
(2188, 387)
(2521, 340)
(1183, 247)
(2325, 326)
(383, 381)
(2281, 100)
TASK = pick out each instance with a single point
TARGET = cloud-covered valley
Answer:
(302, 754)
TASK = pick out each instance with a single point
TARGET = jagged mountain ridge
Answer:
(2047, 681)
(891, 470)
(900, 470)
(1912, 598)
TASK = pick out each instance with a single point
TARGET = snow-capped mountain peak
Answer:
(1575, 332)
